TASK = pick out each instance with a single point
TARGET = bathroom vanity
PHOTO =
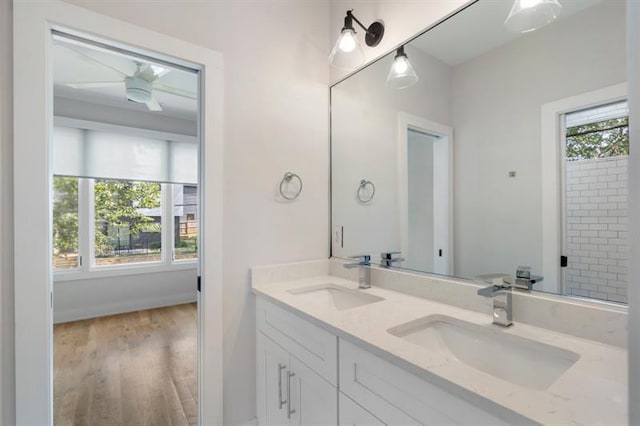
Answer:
(330, 353)
(485, 207)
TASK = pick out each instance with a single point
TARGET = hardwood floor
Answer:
(138, 368)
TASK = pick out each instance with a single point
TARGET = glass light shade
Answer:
(347, 53)
(401, 75)
(529, 15)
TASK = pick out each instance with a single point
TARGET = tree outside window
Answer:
(608, 138)
(65, 222)
(127, 222)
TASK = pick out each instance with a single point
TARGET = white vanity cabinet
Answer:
(395, 396)
(300, 365)
(297, 370)
(352, 414)
(289, 392)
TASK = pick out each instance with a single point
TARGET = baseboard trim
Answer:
(121, 307)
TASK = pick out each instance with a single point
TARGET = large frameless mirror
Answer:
(474, 149)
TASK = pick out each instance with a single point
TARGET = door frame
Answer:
(408, 121)
(33, 124)
(552, 136)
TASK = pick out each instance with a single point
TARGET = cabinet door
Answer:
(351, 414)
(314, 401)
(273, 366)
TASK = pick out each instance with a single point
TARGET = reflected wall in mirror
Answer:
(510, 150)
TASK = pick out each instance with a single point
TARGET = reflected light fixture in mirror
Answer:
(347, 52)
(401, 75)
(529, 15)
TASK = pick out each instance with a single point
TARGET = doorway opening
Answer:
(425, 194)
(595, 150)
(125, 236)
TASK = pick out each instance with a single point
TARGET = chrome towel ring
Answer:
(365, 195)
(288, 177)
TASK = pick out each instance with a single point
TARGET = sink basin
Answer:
(335, 297)
(518, 360)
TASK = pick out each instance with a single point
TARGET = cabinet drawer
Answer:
(315, 347)
(389, 392)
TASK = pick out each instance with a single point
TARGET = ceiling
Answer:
(479, 29)
(76, 62)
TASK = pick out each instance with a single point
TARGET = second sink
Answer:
(336, 297)
(518, 360)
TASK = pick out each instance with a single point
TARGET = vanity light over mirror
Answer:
(347, 52)
(509, 148)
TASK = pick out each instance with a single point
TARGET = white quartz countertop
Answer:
(592, 391)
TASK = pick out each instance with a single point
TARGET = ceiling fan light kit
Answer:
(138, 89)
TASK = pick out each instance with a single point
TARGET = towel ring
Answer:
(288, 177)
(362, 196)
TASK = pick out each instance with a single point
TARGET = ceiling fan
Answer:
(139, 86)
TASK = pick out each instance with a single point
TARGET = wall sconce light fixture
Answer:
(401, 75)
(529, 15)
(347, 53)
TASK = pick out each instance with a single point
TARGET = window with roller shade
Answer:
(141, 190)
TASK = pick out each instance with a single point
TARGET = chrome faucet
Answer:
(502, 305)
(387, 260)
(501, 294)
(363, 263)
(524, 280)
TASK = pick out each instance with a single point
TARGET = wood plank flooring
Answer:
(132, 369)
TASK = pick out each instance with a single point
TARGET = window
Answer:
(130, 223)
(596, 220)
(65, 223)
(186, 226)
(127, 222)
(607, 138)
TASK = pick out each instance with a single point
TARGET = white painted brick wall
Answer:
(597, 244)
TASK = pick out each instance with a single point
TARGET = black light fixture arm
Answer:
(374, 32)
(350, 15)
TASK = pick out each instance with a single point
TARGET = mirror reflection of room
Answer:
(125, 237)
(520, 194)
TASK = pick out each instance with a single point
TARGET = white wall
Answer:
(7, 375)
(94, 297)
(496, 117)
(402, 20)
(365, 146)
(73, 108)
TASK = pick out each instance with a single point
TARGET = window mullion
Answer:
(88, 225)
(167, 223)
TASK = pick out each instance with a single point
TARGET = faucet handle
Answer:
(523, 272)
(365, 259)
(387, 259)
(388, 254)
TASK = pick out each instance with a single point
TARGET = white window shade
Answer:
(113, 155)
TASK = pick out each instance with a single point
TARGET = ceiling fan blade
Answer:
(96, 60)
(95, 84)
(154, 105)
(151, 72)
(174, 90)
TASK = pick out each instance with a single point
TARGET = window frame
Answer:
(86, 219)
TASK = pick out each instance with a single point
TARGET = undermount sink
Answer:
(335, 297)
(518, 360)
